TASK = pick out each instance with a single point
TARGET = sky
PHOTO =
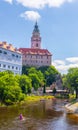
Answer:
(58, 25)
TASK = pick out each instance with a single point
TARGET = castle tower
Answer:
(36, 39)
(35, 56)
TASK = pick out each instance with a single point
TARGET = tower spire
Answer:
(36, 39)
(36, 29)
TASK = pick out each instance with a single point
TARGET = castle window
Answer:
(16, 68)
(5, 52)
(9, 66)
(13, 55)
(4, 66)
(37, 45)
(0, 51)
(17, 56)
(12, 67)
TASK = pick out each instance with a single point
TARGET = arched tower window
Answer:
(37, 45)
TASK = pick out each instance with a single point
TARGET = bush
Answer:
(8, 102)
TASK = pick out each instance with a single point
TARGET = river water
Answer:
(42, 115)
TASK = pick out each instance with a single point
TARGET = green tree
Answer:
(12, 94)
(9, 88)
(50, 75)
(35, 80)
(37, 77)
(41, 77)
(25, 84)
(44, 75)
(32, 70)
(25, 69)
(43, 69)
(64, 81)
(72, 79)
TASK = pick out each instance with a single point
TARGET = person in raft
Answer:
(21, 117)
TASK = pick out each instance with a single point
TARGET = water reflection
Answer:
(43, 115)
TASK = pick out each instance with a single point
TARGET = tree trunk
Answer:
(44, 89)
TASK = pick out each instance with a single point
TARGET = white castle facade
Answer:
(10, 58)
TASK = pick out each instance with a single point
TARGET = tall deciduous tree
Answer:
(25, 84)
(72, 79)
(35, 80)
(64, 81)
(9, 88)
(36, 76)
(50, 75)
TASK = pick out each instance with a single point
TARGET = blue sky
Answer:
(58, 24)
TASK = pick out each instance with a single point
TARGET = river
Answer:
(42, 115)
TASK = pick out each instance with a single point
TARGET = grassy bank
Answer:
(30, 98)
(34, 98)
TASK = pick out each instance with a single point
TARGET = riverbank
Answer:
(31, 98)
(72, 107)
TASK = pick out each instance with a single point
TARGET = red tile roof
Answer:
(34, 51)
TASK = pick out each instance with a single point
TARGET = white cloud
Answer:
(72, 59)
(55, 3)
(9, 1)
(63, 66)
(60, 62)
(31, 15)
(32, 3)
(42, 3)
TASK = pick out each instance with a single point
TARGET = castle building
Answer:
(35, 56)
(10, 58)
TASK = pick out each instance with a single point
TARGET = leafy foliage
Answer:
(25, 84)
(46, 74)
(13, 88)
(70, 80)
(9, 88)
(50, 75)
